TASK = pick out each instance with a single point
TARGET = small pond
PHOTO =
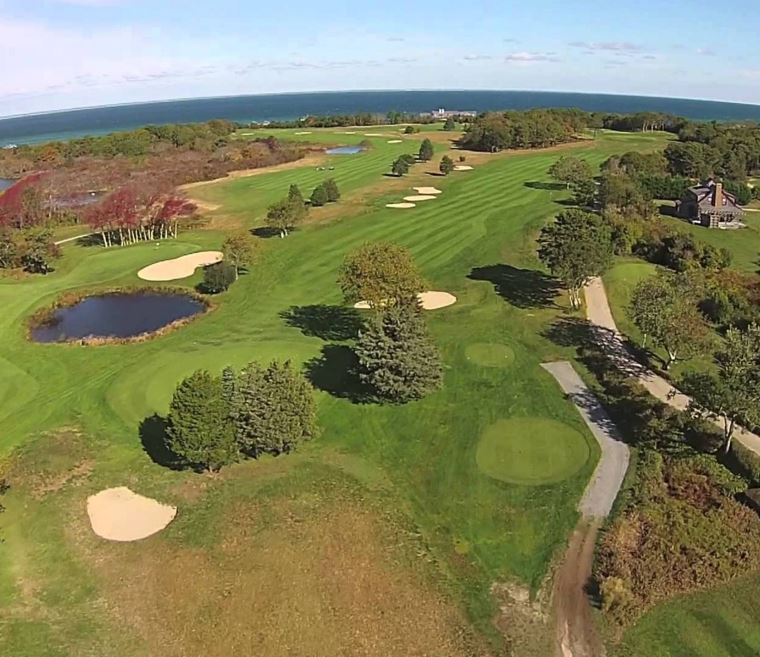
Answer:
(344, 150)
(5, 183)
(118, 315)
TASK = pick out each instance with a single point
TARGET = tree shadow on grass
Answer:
(155, 443)
(640, 418)
(523, 288)
(546, 186)
(265, 232)
(323, 321)
(336, 372)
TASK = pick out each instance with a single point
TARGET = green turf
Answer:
(476, 240)
(531, 451)
(488, 354)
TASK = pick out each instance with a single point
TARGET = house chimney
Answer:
(718, 195)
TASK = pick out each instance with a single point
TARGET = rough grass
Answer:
(476, 240)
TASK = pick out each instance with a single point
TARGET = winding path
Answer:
(600, 316)
(576, 634)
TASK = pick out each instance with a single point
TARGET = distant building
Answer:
(444, 114)
(710, 205)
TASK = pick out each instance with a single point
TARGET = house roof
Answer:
(705, 195)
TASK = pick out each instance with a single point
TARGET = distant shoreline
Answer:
(70, 124)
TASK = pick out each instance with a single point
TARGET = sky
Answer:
(57, 54)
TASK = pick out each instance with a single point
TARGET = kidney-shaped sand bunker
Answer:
(531, 451)
(118, 514)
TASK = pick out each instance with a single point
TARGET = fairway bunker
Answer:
(400, 206)
(395, 141)
(118, 514)
(122, 315)
(531, 451)
(420, 197)
(177, 268)
(489, 354)
(463, 167)
(427, 191)
(430, 300)
(303, 132)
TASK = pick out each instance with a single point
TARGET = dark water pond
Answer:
(5, 183)
(344, 150)
(116, 316)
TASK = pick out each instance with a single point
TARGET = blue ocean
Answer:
(99, 120)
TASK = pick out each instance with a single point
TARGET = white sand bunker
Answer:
(420, 197)
(374, 134)
(400, 206)
(350, 132)
(462, 167)
(182, 267)
(395, 141)
(304, 132)
(430, 300)
(118, 514)
(427, 191)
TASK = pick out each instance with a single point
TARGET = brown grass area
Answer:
(311, 579)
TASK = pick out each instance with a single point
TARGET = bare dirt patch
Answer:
(576, 633)
(314, 578)
(118, 514)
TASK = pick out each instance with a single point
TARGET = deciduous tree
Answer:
(381, 274)
(576, 247)
(446, 166)
(239, 250)
(732, 393)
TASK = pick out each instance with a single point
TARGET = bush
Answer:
(744, 462)
(218, 277)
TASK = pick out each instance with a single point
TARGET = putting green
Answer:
(489, 354)
(531, 451)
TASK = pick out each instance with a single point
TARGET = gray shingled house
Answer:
(710, 205)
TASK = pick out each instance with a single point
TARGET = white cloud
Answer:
(608, 46)
(525, 57)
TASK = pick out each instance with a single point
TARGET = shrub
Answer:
(331, 188)
(218, 277)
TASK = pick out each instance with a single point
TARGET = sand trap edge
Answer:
(175, 269)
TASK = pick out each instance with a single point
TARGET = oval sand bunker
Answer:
(118, 514)
(182, 267)
(419, 197)
(430, 300)
(400, 206)
(427, 191)
(462, 167)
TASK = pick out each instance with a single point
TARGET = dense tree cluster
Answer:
(287, 213)
(402, 164)
(326, 192)
(133, 214)
(496, 131)
(213, 420)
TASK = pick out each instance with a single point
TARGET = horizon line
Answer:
(346, 91)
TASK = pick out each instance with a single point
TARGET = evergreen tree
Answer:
(426, 150)
(397, 357)
(319, 196)
(295, 196)
(229, 388)
(275, 410)
(450, 124)
(218, 277)
(199, 426)
(333, 193)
